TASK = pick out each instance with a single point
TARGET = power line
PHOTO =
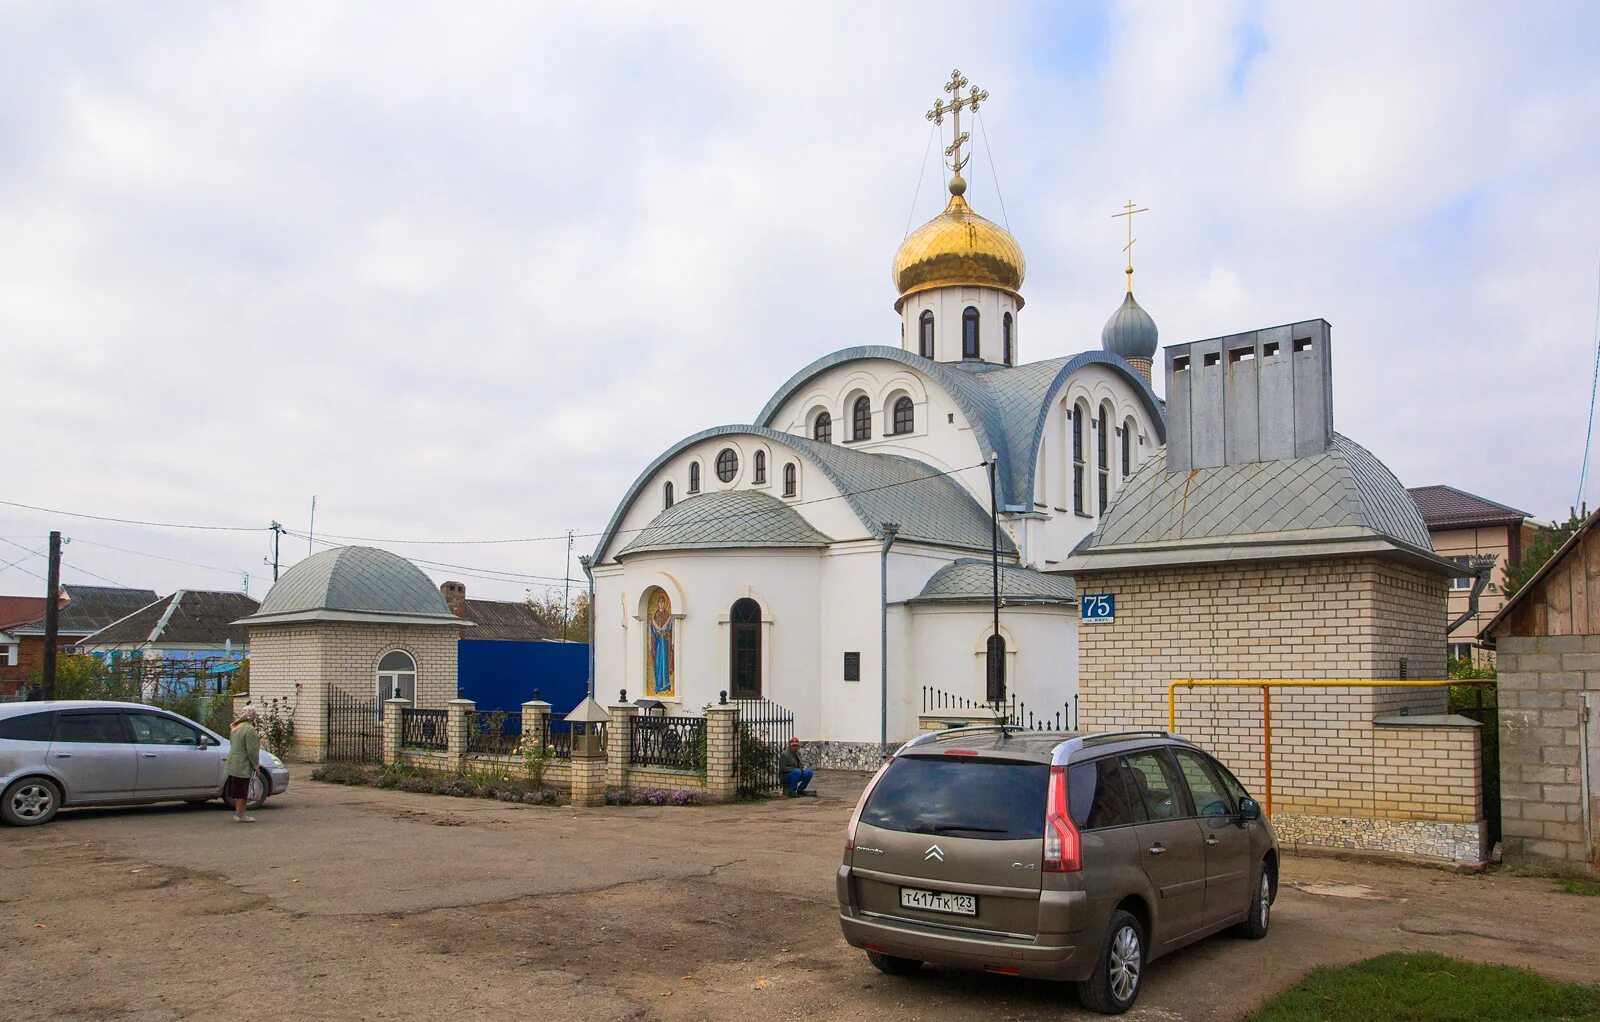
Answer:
(74, 567)
(158, 557)
(18, 565)
(135, 521)
(1594, 387)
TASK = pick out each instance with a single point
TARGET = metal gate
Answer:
(1481, 702)
(354, 733)
(764, 732)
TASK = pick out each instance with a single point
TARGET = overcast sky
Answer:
(463, 269)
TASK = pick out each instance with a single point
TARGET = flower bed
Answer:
(504, 787)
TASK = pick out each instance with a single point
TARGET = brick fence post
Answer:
(458, 722)
(722, 732)
(393, 714)
(535, 719)
(619, 743)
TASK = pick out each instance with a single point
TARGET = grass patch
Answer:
(1429, 988)
(1579, 885)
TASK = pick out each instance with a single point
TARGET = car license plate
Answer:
(939, 901)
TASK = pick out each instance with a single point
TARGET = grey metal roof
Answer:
(1006, 405)
(930, 507)
(971, 580)
(1343, 499)
(1130, 332)
(728, 518)
(354, 583)
(90, 608)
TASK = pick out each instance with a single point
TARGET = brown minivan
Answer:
(1055, 855)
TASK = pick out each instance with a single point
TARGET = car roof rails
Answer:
(960, 732)
(1103, 737)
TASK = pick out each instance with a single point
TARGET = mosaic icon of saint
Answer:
(661, 653)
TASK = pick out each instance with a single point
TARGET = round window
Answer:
(727, 464)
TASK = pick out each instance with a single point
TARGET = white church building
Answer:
(746, 559)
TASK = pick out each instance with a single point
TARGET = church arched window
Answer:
(995, 669)
(969, 333)
(760, 467)
(861, 419)
(727, 464)
(822, 428)
(666, 496)
(1128, 429)
(905, 415)
(789, 481)
(1103, 456)
(694, 477)
(1080, 422)
(744, 660)
(925, 335)
(1005, 340)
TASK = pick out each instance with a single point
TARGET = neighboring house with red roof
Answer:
(84, 610)
(1462, 525)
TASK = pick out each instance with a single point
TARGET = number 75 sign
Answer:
(1094, 608)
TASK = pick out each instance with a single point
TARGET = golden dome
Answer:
(958, 247)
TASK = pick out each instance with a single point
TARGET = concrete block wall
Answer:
(1336, 618)
(1542, 685)
(297, 663)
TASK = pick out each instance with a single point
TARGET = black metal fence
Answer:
(354, 733)
(424, 729)
(1012, 712)
(1480, 701)
(677, 743)
(495, 732)
(764, 732)
(557, 736)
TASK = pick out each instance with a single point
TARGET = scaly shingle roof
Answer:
(354, 583)
(929, 506)
(1007, 406)
(971, 580)
(728, 518)
(90, 608)
(1344, 500)
(1445, 507)
(188, 617)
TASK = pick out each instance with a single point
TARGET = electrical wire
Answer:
(65, 566)
(18, 565)
(1594, 387)
(134, 521)
(984, 134)
(159, 557)
(932, 129)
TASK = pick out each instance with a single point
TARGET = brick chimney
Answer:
(455, 595)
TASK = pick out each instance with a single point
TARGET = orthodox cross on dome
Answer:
(957, 103)
(1128, 211)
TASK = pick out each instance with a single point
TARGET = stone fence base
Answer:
(1428, 839)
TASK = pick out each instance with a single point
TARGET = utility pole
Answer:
(311, 530)
(277, 531)
(996, 664)
(52, 615)
(587, 562)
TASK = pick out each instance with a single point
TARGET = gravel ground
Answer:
(352, 903)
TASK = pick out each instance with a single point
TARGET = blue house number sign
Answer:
(1097, 607)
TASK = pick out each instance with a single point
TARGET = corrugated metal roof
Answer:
(729, 518)
(1444, 507)
(971, 580)
(1007, 406)
(929, 506)
(507, 621)
(1342, 496)
(354, 579)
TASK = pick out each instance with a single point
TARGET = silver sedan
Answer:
(81, 753)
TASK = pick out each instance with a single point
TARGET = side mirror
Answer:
(1249, 810)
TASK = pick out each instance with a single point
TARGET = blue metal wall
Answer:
(502, 675)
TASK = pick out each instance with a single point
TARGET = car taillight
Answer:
(1062, 851)
(855, 817)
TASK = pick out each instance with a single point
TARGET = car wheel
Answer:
(1256, 923)
(1119, 970)
(260, 788)
(892, 966)
(30, 802)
